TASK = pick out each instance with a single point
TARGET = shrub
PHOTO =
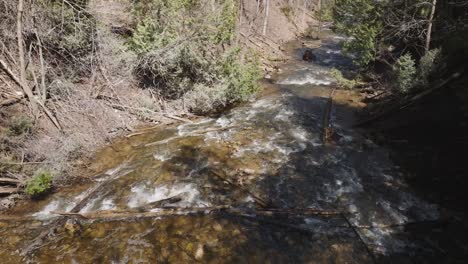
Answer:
(344, 82)
(427, 65)
(405, 73)
(172, 72)
(40, 184)
(204, 99)
(182, 51)
(19, 126)
(225, 23)
(360, 20)
(325, 13)
(240, 77)
(150, 35)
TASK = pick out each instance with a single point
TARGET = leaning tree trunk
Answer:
(265, 21)
(319, 33)
(429, 26)
(22, 66)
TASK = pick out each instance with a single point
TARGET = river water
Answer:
(249, 185)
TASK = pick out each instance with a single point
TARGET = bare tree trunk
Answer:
(304, 8)
(43, 73)
(429, 26)
(22, 66)
(265, 21)
(320, 19)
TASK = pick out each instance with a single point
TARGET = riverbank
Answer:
(96, 98)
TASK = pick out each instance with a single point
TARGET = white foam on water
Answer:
(346, 138)
(55, 205)
(45, 212)
(264, 103)
(107, 204)
(89, 206)
(300, 134)
(330, 51)
(284, 115)
(203, 121)
(396, 216)
(223, 121)
(316, 142)
(142, 195)
(426, 211)
(343, 38)
(249, 199)
(218, 136)
(162, 156)
(307, 79)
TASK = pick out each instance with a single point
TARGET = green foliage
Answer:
(172, 72)
(40, 183)
(149, 36)
(182, 49)
(405, 73)
(234, 81)
(360, 20)
(344, 82)
(325, 13)
(241, 77)
(160, 22)
(427, 65)
(19, 126)
(226, 23)
(177, 71)
(206, 99)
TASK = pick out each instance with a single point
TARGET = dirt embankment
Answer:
(105, 101)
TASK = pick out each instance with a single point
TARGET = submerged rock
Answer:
(309, 56)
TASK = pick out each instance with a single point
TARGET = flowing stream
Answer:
(245, 187)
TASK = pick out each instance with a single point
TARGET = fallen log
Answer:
(8, 190)
(49, 231)
(132, 213)
(358, 235)
(326, 120)
(162, 203)
(10, 101)
(400, 225)
(10, 181)
(145, 212)
(120, 107)
(214, 129)
(301, 211)
(10, 73)
(32, 100)
(258, 200)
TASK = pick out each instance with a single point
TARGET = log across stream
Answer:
(257, 184)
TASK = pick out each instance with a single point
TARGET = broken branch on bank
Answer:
(327, 127)
(120, 107)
